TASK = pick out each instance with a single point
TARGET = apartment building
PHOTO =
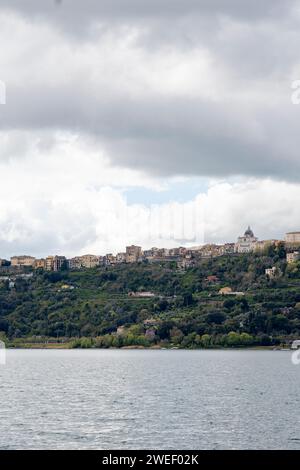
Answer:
(292, 238)
(89, 261)
(148, 254)
(110, 259)
(40, 263)
(55, 263)
(75, 263)
(133, 253)
(22, 261)
(121, 258)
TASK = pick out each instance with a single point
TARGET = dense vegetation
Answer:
(92, 307)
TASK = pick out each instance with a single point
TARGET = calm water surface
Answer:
(111, 399)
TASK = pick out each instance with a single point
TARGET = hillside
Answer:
(93, 307)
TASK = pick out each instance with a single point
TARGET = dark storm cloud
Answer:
(254, 48)
(71, 11)
(165, 17)
(178, 136)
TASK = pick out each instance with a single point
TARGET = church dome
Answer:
(249, 233)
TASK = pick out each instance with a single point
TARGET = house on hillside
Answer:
(273, 272)
(225, 291)
(212, 279)
(229, 291)
(141, 294)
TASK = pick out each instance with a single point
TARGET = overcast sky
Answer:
(159, 122)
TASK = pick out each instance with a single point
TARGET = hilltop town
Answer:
(183, 257)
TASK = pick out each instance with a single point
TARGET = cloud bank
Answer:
(168, 87)
(108, 95)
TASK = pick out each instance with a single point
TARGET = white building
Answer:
(246, 243)
(293, 257)
(273, 272)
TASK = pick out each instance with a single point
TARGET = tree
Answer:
(246, 339)
(215, 317)
(206, 340)
(265, 340)
(188, 299)
(176, 335)
(233, 339)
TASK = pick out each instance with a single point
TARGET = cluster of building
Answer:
(292, 241)
(184, 257)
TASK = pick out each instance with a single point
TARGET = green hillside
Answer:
(92, 307)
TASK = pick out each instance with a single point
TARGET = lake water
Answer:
(139, 399)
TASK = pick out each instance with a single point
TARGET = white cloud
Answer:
(59, 207)
(270, 207)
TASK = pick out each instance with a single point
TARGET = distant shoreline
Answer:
(40, 346)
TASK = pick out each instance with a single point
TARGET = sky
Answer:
(159, 123)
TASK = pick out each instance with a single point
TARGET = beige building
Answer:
(133, 253)
(89, 261)
(261, 245)
(85, 261)
(40, 263)
(225, 291)
(110, 259)
(229, 291)
(292, 238)
(49, 263)
(22, 261)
